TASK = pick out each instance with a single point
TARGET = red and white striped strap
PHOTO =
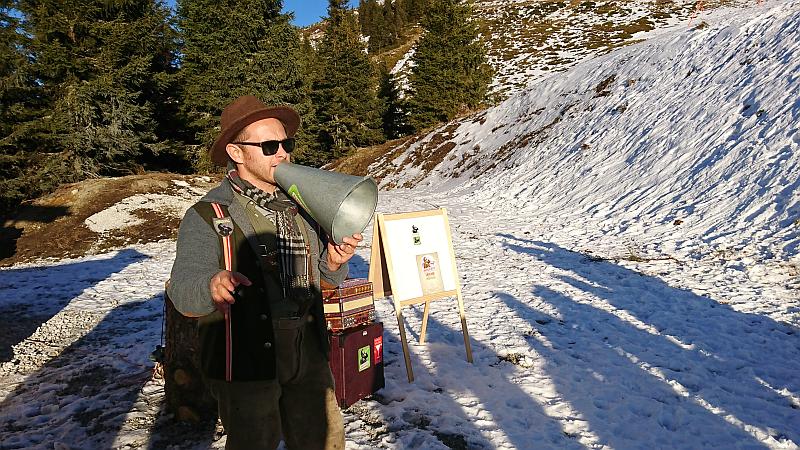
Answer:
(227, 250)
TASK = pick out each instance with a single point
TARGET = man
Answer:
(263, 339)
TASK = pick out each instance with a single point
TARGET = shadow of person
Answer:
(359, 267)
(30, 296)
(90, 395)
(738, 369)
(167, 432)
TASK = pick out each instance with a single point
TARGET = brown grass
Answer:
(358, 162)
(390, 57)
(603, 88)
(53, 226)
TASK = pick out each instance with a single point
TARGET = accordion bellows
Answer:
(349, 305)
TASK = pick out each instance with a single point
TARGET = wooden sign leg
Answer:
(467, 345)
(424, 322)
(404, 341)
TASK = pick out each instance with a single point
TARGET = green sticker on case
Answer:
(364, 358)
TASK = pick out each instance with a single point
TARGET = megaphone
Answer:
(341, 204)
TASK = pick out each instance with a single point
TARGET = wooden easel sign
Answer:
(412, 260)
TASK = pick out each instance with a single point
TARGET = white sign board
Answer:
(412, 260)
(420, 255)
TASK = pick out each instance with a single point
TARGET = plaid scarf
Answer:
(291, 245)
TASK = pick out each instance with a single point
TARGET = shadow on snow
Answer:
(683, 360)
(29, 297)
(84, 396)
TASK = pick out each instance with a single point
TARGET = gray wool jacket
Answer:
(198, 254)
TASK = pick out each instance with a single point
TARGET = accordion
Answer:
(348, 305)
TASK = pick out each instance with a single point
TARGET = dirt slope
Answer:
(55, 226)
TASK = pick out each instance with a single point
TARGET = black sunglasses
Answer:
(269, 148)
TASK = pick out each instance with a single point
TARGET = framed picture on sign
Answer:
(430, 275)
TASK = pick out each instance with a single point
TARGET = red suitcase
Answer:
(356, 361)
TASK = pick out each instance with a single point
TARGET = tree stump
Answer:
(187, 396)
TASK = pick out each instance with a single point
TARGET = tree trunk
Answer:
(187, 396)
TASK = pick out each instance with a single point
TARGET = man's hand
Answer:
(222, 286)
(341, 253)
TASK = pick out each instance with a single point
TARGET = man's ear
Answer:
(235, 153)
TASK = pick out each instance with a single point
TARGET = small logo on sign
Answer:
(377, 349)
(224, 226)
(415, 235)
(363, 358)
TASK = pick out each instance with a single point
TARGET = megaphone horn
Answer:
(341, 204)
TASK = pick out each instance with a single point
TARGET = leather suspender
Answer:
(227, 253)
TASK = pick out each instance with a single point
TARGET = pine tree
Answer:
(310, 151)
(98, 70)
(389, 24)
(12, 63)
(235, 48)
(367, 11)
(379, 36)
(99, 64)
(345, 89)
(450, 72)
(383, 23)
(400, 16)
(395, 121)
(415, 9)
(16, 106)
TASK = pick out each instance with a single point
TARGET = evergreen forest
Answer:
(97, 88)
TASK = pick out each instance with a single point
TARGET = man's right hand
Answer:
(222, 286)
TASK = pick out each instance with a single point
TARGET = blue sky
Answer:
(306, 12)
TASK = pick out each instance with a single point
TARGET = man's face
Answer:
(253, 165)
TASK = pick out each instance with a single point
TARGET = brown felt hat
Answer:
(242, 112)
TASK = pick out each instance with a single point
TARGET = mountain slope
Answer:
(691, 135)
(529, 39)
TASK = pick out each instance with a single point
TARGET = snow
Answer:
(402, 70)
(121, 215)
(696, 126)
(638, 291)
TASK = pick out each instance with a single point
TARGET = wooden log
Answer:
(187, 396)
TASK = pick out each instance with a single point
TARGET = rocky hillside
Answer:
(529, 39)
